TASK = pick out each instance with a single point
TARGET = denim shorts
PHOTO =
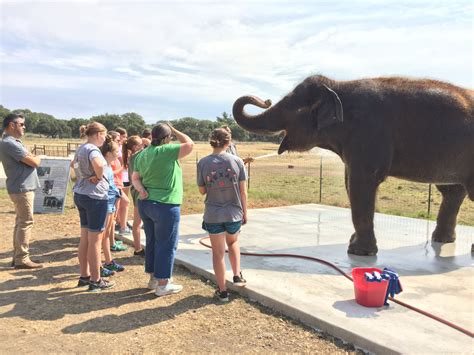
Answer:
(92, 212)
(111, 205)
(218, 228)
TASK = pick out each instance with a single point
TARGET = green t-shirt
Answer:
(161, 173)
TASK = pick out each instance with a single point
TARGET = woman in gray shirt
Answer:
(221, 177)
(90, 196)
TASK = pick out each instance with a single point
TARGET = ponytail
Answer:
(127, 146)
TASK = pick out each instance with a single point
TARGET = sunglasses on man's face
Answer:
(21, 124)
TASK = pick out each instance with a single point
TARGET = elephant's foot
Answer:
(362, 245)
(441, 235)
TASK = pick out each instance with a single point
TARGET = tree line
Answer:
(48, 126)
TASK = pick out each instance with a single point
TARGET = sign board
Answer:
(53, 174)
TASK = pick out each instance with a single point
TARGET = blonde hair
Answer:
(219, 137)
(91, 129)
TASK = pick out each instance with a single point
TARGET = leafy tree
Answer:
(60, 129)
(109, 121)
(3, 113)
(46, 126)
(74, 124)
(133, 123)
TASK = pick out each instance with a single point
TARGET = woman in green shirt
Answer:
(158, 178)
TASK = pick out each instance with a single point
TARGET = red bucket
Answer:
(368, 294)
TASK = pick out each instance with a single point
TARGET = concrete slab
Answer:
(436, 278)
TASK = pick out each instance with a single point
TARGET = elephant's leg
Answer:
(362, 197)
(346, 181)
(470, 188)
(453, 196)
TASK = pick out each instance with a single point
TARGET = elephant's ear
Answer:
(330, 111)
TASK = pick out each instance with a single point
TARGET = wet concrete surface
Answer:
(437, 278)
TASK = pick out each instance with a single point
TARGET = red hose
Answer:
(339, 270)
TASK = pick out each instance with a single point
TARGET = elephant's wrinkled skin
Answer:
(419, 130)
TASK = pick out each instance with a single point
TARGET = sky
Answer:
(174, 59)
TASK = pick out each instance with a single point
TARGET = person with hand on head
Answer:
(221, 177)
(90, 196)
(22, 181)
(158, 178)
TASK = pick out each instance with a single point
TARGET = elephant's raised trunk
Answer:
(267, 123)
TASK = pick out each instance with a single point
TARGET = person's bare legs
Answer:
(94, 240)
(122, 210)
(111, 231)
(109, 228)
(136, 229)
(218, 262)
(82, 253)
(234, 251)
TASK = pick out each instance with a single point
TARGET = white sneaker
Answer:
(168, 289)
(153, 283)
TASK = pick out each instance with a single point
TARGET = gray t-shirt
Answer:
(21, 177)
(84, 170)
(221, 174)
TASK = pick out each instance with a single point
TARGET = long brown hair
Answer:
(127, 146)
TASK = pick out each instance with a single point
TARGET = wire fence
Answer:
(314, 177)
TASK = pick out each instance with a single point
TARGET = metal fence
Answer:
(315, 177)
(55, 150)
(319, 178)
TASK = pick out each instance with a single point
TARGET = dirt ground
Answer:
(43, 311)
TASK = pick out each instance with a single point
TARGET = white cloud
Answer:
(214, 52)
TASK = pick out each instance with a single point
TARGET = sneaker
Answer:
(117, 227)
(114, 266)
(222, 296)
(239, 280)
(118, 247)
(83, 281)
(152, 283)
(106, 272)
(140, 252)
(97, 286)
(168, 289)
(125, 231)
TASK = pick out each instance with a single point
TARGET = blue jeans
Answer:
(161, 222)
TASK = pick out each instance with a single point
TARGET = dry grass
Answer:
(294, 179)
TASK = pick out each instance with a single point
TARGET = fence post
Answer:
(429, 200)
(248, 177)
(320, 178)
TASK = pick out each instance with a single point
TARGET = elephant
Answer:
(415, 129)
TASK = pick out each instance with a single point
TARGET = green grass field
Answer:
(294, 179)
